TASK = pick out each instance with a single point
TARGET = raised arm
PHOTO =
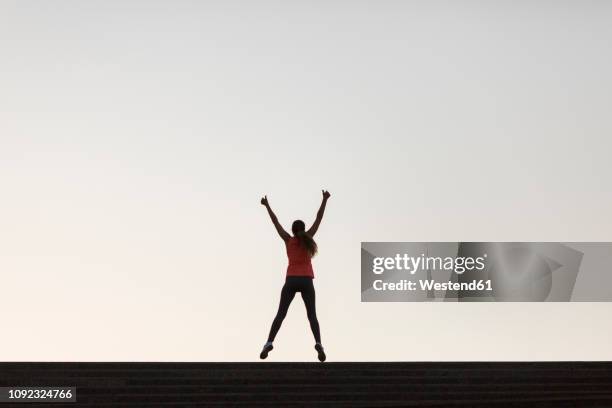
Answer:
(315, 226)
(279, 228)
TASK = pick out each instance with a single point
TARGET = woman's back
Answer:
(299, 259)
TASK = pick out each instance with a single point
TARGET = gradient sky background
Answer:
(137, 137)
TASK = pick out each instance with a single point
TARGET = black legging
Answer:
(293, 284)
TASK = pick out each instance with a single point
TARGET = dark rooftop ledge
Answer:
(350, 384)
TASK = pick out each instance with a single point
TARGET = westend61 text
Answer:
(430, 284)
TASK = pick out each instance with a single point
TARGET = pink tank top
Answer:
(299, 259)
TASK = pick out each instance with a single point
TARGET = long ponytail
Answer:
(299, 230)
(306, 241)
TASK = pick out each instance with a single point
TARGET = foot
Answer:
(266, 349)
(320, 352)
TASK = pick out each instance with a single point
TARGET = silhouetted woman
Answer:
(300, 248)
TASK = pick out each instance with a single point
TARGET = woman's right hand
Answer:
(264, 200)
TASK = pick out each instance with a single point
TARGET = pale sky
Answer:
(137, 137)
